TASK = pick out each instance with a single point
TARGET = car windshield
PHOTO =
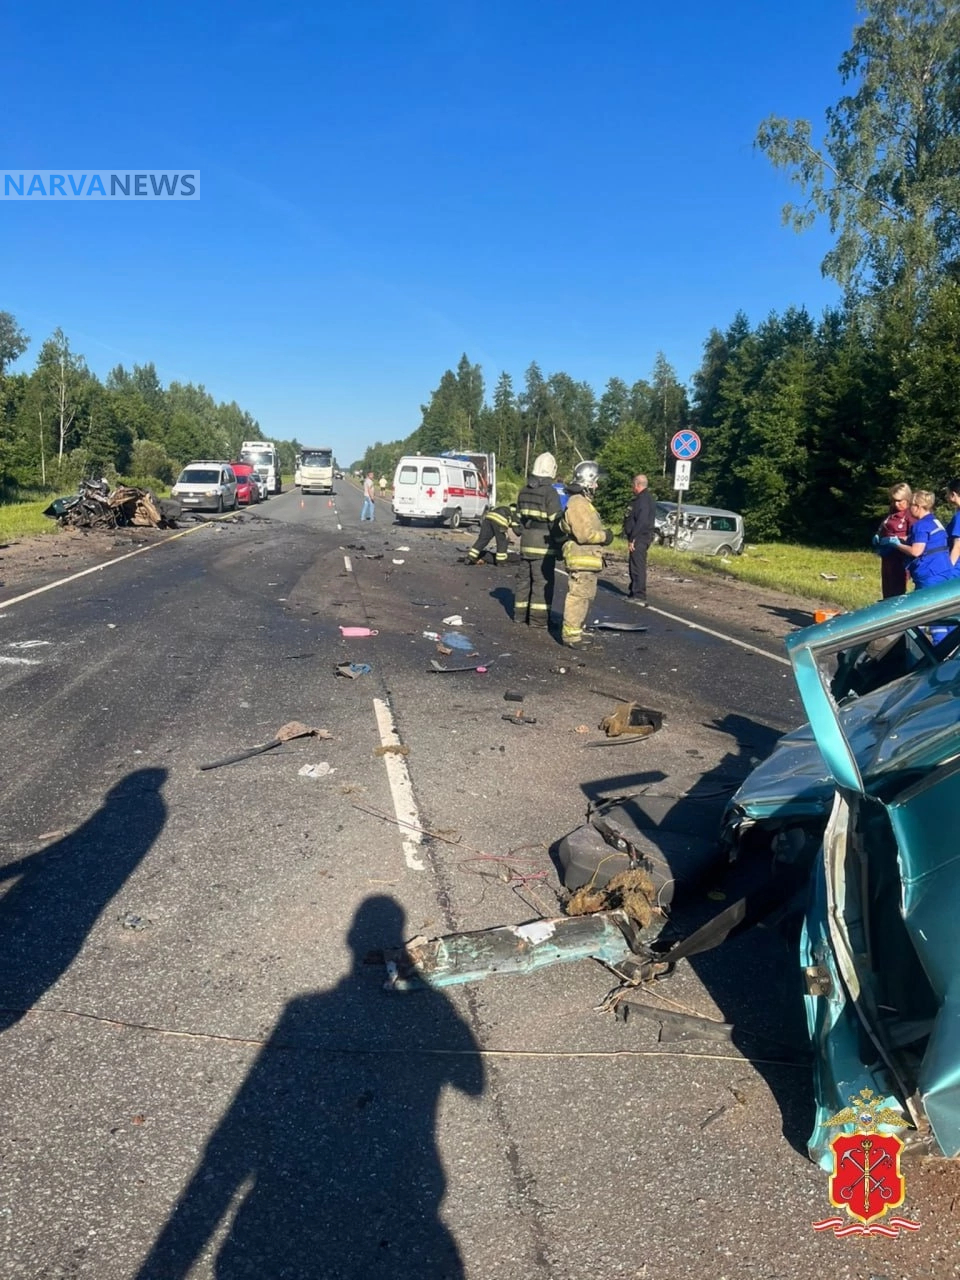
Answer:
(318, 458)
(199, 475)
(256, 457)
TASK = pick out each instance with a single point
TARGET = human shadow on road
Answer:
(57, 894)
(329, 1144)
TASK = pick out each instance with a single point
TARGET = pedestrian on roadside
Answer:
(383, 485)
(582, 552)
(953, 528)
(368, 511)
(639, 527)
(538, 506)
(496, 523)
(899, 522)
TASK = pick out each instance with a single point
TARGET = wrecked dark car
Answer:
(865, 796)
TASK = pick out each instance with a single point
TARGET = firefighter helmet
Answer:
(586, 474)
(545, 465)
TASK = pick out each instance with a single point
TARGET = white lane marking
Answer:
(348, 564)
(20, 662)
(128, 555)
(719, 635)
(401, 789)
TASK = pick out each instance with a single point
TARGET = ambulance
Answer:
(451, 488)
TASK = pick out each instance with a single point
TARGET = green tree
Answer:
(60, 376)
(628, 452)
(443, 417)
(613, 410)
(506, 423)
(887, 173)
(13, 341)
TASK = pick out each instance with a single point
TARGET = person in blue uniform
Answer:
(929, 561)
(953, 528)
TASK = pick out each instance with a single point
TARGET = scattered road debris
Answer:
(135, 922)
(431, 635)
(631, 718)
(470, 957)
(286, 733)
(442, 670)
(582, 728)
(678, 1026)
(399, 561)
(321, 770)
(457, 641)
(510, 696)
(392, 749)
(454, 620)
(353, 669)
(600, 624)
(356, 632)
(519, 718)
(631, 891)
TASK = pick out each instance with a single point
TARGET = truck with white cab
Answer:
(263, 456)
(316, 470)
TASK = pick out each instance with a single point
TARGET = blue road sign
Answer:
(685, 444)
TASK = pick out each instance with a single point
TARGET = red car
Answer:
(248, 483)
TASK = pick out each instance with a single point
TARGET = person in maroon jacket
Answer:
(893, 565)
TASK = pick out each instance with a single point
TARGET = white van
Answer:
(444, 490)
(707, 530)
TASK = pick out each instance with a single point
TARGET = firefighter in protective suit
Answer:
(539, 509)
(496, 522)
(582, 552)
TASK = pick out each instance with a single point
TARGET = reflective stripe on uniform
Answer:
(577, 557)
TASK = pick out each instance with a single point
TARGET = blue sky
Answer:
(387, 185)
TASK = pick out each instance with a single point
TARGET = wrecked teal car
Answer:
(866, 796)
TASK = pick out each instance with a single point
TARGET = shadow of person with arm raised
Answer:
(56, 895)
(328, 1151)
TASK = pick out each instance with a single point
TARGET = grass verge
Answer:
(19, 519)
(847, 579)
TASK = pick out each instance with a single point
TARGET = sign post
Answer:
(684, 446)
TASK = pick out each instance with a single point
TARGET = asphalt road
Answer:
(203, 1078)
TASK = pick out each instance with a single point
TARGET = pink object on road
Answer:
(358, 631)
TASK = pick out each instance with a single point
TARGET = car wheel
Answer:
(724, 550)
(236, 503)
(220, 505)
(455, 519)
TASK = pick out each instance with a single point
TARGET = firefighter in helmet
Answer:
(496, 523)
(538, 506)
(582, 551)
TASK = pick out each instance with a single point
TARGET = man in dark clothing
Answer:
(495, 524)
(639, 527)
(538, 505)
